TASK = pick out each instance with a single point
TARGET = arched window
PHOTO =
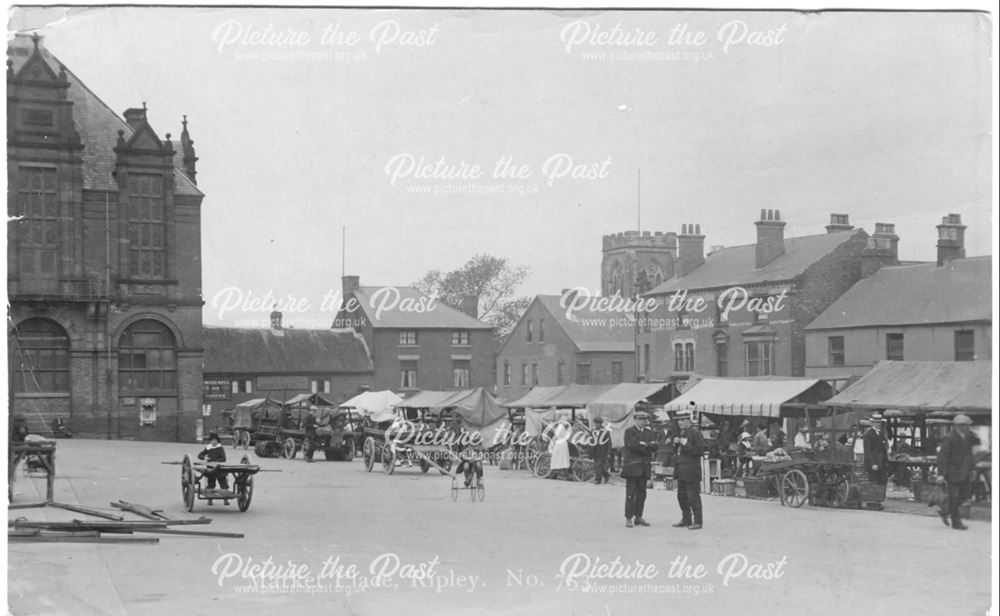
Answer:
(40, 357)
(147, 358)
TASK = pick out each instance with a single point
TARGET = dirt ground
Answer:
(330, 536)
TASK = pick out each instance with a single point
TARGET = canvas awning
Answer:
(536, 397)
(619, 401)
(763, 396)
(257, 403)
(375, 404)
(922, 387)
(575, 396)
(307, 400)
(429, 399)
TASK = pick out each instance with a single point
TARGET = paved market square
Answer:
(526, 549)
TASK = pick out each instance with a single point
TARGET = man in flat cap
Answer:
(687, 471)
(640, 444)
(956, 467)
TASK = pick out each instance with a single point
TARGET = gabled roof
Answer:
(440, 317)
(230, 350)
(96, 123)
(958, 291)
(922, 386)
(593, 331)
(734, 266)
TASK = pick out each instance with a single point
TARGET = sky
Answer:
(311, 123)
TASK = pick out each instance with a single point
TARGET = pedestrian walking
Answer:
(600, 451)
(956, 468)
(687, 471)
(310, 437)
(640, 444)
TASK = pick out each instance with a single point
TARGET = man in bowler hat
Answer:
(640, 444)
(687, 471)
(956, 467)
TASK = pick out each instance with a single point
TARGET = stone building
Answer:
(914, 312)
(742, 310)
(103, 259)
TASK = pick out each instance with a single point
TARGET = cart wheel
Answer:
(481, 490)
(794, 488)
(350, 451)
(187, 483)
(424, 466)
(368, 453)
(454, 490)
(388, 460)
(543, 466)
(289, 449)
(244, 491)
(583, 469)
(836, 487)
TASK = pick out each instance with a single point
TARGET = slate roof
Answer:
(440, 317)
(230, 350)
(96, 123)
(588, 331)
(958, 291)
(734, 266)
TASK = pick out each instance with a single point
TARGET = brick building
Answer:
(769, 290)
(104, 261)
(242, 364)
(415, 341)
(550, 347)
(916, 312)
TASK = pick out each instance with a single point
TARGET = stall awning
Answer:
(376, 404)
(762, 396)
(922, 386)
(619, 401)
(575, 396)
(429, 399)
(308, 399)
(536, 397)
(257, 403)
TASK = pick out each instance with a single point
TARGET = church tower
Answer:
(633, 260)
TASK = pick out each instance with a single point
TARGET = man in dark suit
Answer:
(687, 471)
(600, 450)
(955, 467)
(876, 450)
(640, 444)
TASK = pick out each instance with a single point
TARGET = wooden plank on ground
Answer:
(72, 539)
(140, 510)
(87, 510)
(27, 505)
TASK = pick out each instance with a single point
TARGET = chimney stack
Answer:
(770, 237)
(276, 327)
(882, 248)
(838, 223)
(951, 239)
(135, 117)
(348, 285)
(690, 250)
(470, 305)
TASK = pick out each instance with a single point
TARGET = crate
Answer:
(724, 487)
(659, 484)
(669, 483)
(757, 487)
(869, 492)
(659, 469)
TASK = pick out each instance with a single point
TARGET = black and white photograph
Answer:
(500, 310)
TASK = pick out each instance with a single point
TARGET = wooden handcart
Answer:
(819, 480)
(193, 479)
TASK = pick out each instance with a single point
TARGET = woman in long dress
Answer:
(559, 448)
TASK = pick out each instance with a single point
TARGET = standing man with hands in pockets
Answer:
(687, 471)
(640, 444)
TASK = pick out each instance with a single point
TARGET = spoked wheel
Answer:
(835, 486)
(388, 460)
(794, 488)
(368, 453)
(479, 492)
(454, 490)
(187, 483)
(583, 469)
(290, 449)
(543, 466)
